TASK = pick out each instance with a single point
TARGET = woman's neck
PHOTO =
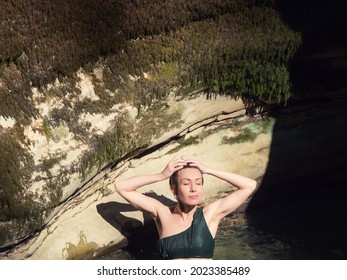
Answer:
(185, 211)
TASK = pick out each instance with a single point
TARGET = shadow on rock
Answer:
(302, 197)
(141, 237)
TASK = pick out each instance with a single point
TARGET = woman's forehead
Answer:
(189, 173)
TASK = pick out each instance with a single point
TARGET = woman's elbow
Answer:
(253, 185)
(117, 187)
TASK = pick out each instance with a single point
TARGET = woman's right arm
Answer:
(128, 188)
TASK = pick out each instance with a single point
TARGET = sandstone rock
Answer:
(96, 218)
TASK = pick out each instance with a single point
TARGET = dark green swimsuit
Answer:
(194, 242)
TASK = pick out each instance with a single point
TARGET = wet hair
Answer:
(173, 181)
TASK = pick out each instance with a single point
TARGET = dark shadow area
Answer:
(141, 237)
(302, 199)
(320, 65)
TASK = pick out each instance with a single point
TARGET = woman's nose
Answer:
(193, 188)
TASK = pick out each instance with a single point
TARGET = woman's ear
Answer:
(173, 190)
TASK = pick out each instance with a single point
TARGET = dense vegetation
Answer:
(19, 208)
(146, 48)
(45, 40)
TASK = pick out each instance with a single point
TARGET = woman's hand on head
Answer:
(204, 169)
(173, 165)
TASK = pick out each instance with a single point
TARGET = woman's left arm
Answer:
(224, 206)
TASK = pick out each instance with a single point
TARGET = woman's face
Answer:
(190, 186)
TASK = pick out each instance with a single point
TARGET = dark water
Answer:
(243, 242)
(252, 241)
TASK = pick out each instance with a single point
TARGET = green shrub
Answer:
(16, 165)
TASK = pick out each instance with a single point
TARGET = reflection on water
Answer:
(116, 255)
(242, 242)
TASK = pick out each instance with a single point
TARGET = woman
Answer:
(186, 230)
